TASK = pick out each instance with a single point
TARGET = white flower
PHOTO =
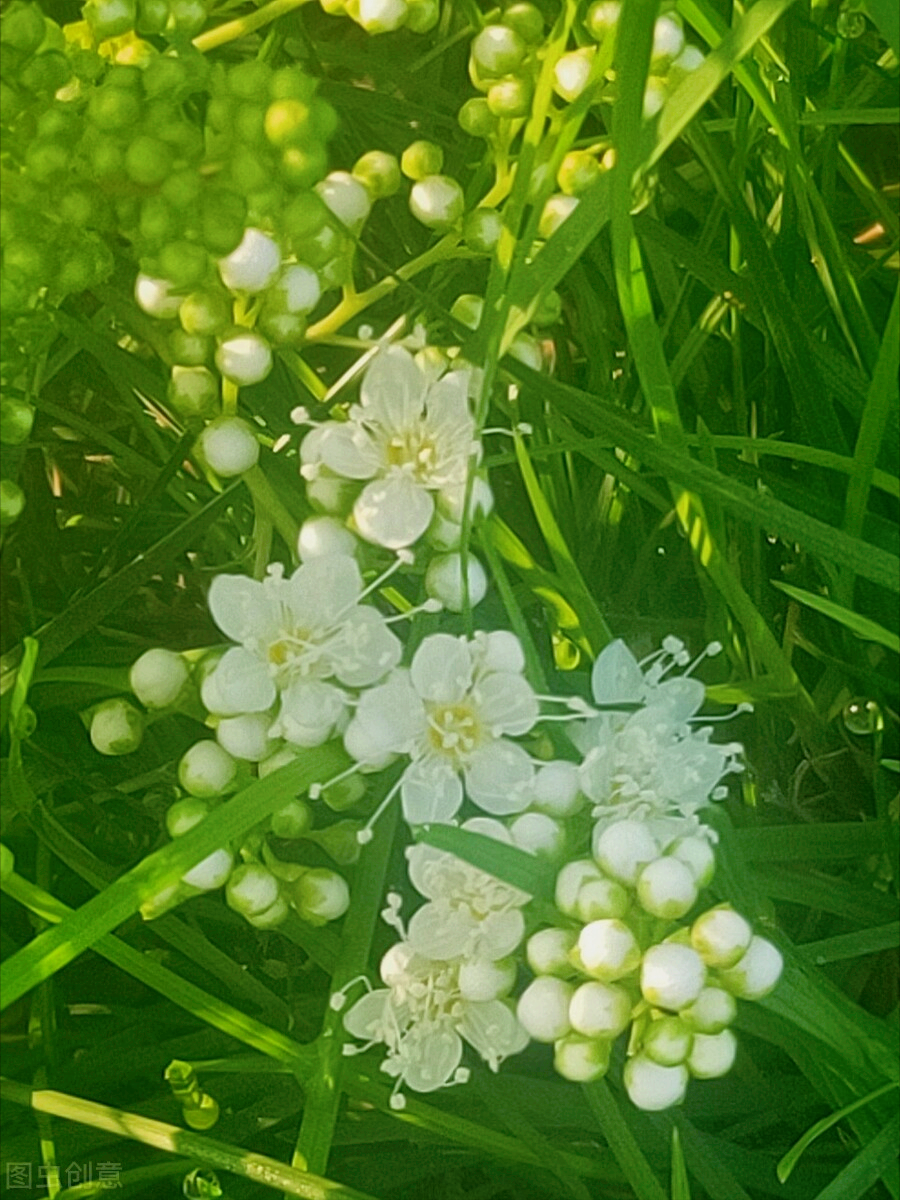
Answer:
(470, 913)
(295, 635)
(411, 440)
(449, 712)
(423, 1018)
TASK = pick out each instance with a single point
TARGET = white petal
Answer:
(433, 1060)
(493, 1030)
(369, 1016)
(441, 932)
(393, 512)
(447, 404)
(499, 778)
(616, 677)
(430, 795)
(506, 703)
(366, 649)
(500, 933)
(393, 389)
(309, 712)
(424, 868)
(321, 590)
(240, 683)
(236, 603)
(387, 721)
(681, 697)
(348, 450)
(441, 669)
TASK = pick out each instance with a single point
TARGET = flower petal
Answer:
(441, 669)
(309, 712)
(500, 932)
(616, 677)
(432, 1057)
(322, 590)
(347, 449)
(388, 719)
(236, 603)
(239, 683)
(365, 648)
(438, 931)
(506, 702)
(493, 1030)
(393, 389)
(393, 512)
(369, 1018)
(430, 794)
(499, 778)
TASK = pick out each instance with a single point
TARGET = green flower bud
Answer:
(112, 109)
(12, 502)
(206, 770)
(549, 309)
(667, 1041)
(577, 172)
(422, 15)
(481, 230)
(498, 50)
(148, 160)
(467, 309)
(272, 917)
(476, 118)
(110, 18)
(438, 202)
(250, 79)
(421, 159)
(158, 677)
(379, 173)
(320, 895)
(602, 18)
(555, 211)
(116, 727)
(16, 420)
(526, 20)
(23, 27)
(292, 821)
(183, 815)
(193, 392)
(229, 446)
(580, 1059)
(510, 98)
(601, 899)
(543, 1008)
(251, 889)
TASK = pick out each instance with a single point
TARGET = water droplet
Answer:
(863, 717)
(851, 25)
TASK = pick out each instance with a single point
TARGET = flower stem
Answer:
(241, 26)
(268, 504)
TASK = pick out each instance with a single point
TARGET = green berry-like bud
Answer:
(543, 1008)
(206, 770)
(244, 357)
(222, 219)
(116, 727)
(16, 420)
(467, 309)
(185, 263)
(549, 310)
(183, 815)
(193, 392)
(23, 27)
(652, 1087)
(12, 502)
(292, 821)
(205, 313)
(602, 18)
(152, 16)
(599, 1010)
(112, 108)
(712, 1055)
(110, 18)
(320, 895)
(580, 1059)
(422, 15)
(476, 118)
(526, 20)
(577, 172)
(249, 80)
(379, 173)
(510, 98)
(548, 950)
(272, 917)
(229, 446)
(498, 50)
(481, 230)
(667, 1041)
(148, 160)
(421, 159)
(251, 889)
(158, 677)
(672, 976)
(46, 72)
(288, 121)
(186, 17)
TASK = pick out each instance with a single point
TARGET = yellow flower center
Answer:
(454, 730)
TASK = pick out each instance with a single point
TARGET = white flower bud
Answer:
(297, 289)
(712, 1055)
(667, 1041)
(654, 97)
(158, 677)
(668, 41)
(600, 1010)
(538, 834)
(624, 849)
(345, 196)
(322, 536)
(211, 872)
(711, 1012)
(556, 789)
(687, 61)
(157, 297)
(183, 815)
(246, 736)
(543, 1008)
(253, 264)
(229, 446)
(672, 976)
(206, 770)
(554, 212)
(721, 936)
(601, 898)
(444, 581)
(569, 882)
(652, 1087)
(525, 349)
(193, 391)
(292, 821)
(320, 895)
(437, 201)
(757, 972)
(666, 888)
(481, 501)
(116, 727)
(547, 951)
(602, 18)
(272, 917)
(244, 357)
(481, 979)
(581, 1060)
(251, 889)
(572, 71)
(378, 16)
(608, 949)
(497, 50)
(698, 854)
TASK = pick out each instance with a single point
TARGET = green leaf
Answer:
(789, 1161)
(680, 1188)
(622, 1142)
(514, 866)
(869, 1165)
(862, 627)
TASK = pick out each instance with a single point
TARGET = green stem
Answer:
(241, 26)
(269, 505)
(258, 1168)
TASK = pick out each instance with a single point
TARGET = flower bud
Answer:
(698, 854)
(489, 827)
(205, 313)
(244, 357)
(253, 265)
(668, 42)
(672, 976)
(229, 446)
(712, 1055)
(246, 736)
(421, 159)
(667, 1041)
(537, 833)
(292, 821)
(572, 71)
(206, 770)
(548, 950)
(498, 50)
(721, 936)
(467, 309)
(608, 950)
(624, 849)
(480, 979)
(212, 872)
(652, 1087)
(569, 882)
(379, 173)
(183, 815)
(444, 581)
(158, 677)
(510, 98)
(543, 1008)
(711, 1012)
(17, 418)
(757, 973)
(12, 502)
(654, 99)
(602, 18)
(527, 20)
(556, 790)
(272, 917)
(577, 172)
(346, 198)
(555, 211)
(156, 297)
(599, 899)
(600, 1010)
(116, 727)
(422, 15)
(437, 201)
(482, 229)
(476, 119)
(296, 290)
(549, 310)
(378, 16)
(251, 889)
(666, 888)
(320, 895)
(323, 536)
(581, 1060)
(193, 392)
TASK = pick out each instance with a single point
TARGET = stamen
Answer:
(316, 789)
(365, 835)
